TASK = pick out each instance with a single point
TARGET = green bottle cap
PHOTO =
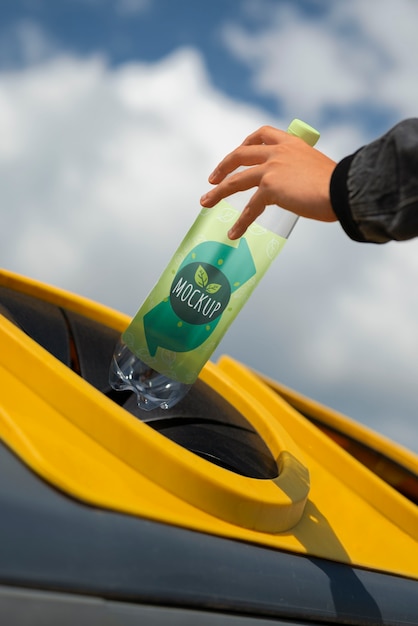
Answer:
(304, 131)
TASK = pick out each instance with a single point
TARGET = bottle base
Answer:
(153, 390)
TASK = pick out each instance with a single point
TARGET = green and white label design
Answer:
(200, 293)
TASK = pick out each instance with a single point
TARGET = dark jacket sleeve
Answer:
(374, 192)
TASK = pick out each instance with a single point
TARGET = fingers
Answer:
(253, 150)
(241, 181)
(241, 156)
(274, 161)
(254, 208)
(266, 135)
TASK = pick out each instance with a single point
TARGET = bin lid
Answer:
(322, 501)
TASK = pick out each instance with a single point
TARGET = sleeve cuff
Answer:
(339, 199)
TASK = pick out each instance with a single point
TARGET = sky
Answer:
(114, 112)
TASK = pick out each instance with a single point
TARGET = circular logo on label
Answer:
(199, 293)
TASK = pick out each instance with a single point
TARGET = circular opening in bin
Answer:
(206, 424)
(203, 422)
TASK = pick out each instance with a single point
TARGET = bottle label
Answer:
(200, 293)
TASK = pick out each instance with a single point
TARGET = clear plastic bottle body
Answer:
(155, 389)
(152, 388)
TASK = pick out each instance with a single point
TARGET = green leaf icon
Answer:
(201, 278)
(213, 288)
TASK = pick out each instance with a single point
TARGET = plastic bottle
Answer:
(197, 297)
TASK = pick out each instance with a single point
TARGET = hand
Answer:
(286, 172)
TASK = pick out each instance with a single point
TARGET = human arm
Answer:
(373, 193)
(285, 171)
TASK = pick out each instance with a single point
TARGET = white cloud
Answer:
(115, 159)
(357, 53)
(101, 170)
